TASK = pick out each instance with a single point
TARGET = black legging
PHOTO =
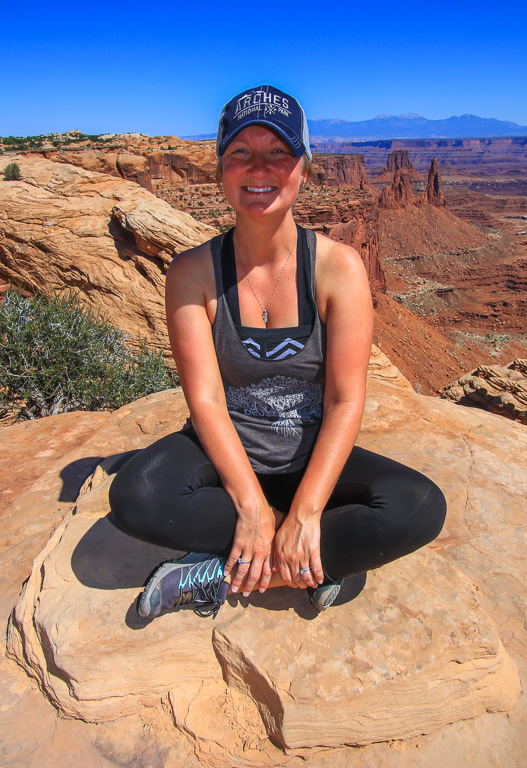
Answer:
(171, 495)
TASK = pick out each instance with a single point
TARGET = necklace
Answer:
(265, 316)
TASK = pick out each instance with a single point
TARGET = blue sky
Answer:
(116, 67)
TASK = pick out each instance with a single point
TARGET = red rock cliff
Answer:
(399, 159)
(433, 195)
(400, 192)
(359, 229)
(339, 171)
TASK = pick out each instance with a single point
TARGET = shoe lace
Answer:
(206, 599)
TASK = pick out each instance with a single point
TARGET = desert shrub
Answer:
(12, 172)
(57, 356)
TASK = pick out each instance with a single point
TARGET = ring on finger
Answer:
(304, 570)
(243, 562)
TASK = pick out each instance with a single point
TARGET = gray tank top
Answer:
(275, 405)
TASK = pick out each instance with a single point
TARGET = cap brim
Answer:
(296, 147)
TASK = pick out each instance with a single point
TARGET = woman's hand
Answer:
(297, 548)
(253, 542)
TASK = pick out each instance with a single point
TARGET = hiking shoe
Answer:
(194, 578)
(325, 594)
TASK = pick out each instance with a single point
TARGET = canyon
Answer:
(453, 274)
(480, 157)
(432, 648)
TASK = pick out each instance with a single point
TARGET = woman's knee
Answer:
(436, 507)
(126, 499)
(140, 485)
(419, 509)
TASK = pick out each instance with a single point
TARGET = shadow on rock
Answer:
(351, 588)
(132, 618)
(74, 475)
(279, 599)
(108, 558)
(284, 598)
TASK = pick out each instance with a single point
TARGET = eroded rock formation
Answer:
(149, 161)
(64, 227)
(458, 277)
(399, 194)
(358, 228)
(399, 160)
(433, 194)
(501, 390)
(463, 280)
(426, 644)
(146, 162)
(339, 171)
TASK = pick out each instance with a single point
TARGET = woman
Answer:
(271, 329)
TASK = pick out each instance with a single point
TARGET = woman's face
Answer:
(261, 176)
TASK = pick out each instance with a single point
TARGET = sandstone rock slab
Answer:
(65, 227)
(413, 652)
(498, 389)
(477, 459)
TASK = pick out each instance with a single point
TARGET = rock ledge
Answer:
(411, 653)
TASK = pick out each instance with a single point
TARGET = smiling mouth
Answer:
(259, 190)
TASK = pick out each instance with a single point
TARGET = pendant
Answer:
(265, 316)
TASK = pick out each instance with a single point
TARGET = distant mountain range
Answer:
(407, 127)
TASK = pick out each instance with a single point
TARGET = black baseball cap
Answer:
(265, 105)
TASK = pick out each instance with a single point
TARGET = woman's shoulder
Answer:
(192, 256)
(194, 261)
(193, 268)
(339, 275)
(335, 260)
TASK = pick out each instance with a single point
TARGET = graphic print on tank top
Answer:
(274, 387)
(265, 349)
(282, 399)
(271, 343)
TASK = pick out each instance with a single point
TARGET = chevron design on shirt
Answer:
(286, 348)
(252, 346)
(270, 350)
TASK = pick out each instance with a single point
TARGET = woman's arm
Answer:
(344, 301)
(191, 307)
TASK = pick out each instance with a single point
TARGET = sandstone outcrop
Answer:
(433, 194)
(62, 227)
(147, 162)
(399, 159)
(458, 277)
(339, 171)
(498, 389)
(402, 660)
(89, 575)
(351, 219)
(358, 229)
(399, 193)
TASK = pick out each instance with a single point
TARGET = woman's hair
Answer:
(306, 162)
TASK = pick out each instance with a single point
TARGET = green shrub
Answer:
(12, 172)
(57, 356)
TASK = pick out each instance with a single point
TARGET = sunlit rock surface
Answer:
(408, 665)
